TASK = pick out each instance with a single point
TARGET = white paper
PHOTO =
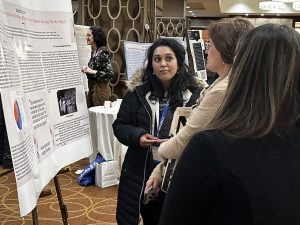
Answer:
(135, 55)
(84, 50)
(42, 93)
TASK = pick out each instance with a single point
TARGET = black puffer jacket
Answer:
(133, 121)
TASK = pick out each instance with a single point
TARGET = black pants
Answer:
(151, 212)
(5, 156)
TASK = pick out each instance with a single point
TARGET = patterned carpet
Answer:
(86, 205)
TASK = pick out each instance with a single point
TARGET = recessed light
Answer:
(246, 14)
(262, 14)
(190, 11)
(188, 7)
(278, 14)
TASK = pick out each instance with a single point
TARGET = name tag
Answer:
(155, 153)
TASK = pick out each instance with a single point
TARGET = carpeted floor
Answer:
(86, 205)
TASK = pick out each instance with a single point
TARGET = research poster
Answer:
(84, 50)
(196, 45)
(135, 55)
(42, 92)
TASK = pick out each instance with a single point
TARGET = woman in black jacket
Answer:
(144, 120)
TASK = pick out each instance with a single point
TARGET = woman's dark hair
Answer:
(99, 36)
(225, 34)
(183, 80)
(263, 95)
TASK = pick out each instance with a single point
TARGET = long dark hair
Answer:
(263, 95)
(99, 36)
(181, 81)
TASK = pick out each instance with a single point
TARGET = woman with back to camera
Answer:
(144, 119)
(247, 168)
(224, 35)
(99, 69)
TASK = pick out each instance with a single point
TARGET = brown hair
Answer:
(263, 95)
(225, 34)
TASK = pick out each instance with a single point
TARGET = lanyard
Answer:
(163, 116)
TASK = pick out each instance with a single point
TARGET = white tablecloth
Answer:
(103, 139)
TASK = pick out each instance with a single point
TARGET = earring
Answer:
(153, 74)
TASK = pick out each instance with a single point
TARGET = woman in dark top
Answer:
(244, 169)
(144, 119)
(99, 69)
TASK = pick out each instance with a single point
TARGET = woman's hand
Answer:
(88, 70)
(159, 141)
(147, 140)
(154, 183)
(83, 69)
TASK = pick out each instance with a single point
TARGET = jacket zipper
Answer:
(145, 165)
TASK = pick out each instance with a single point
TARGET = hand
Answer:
(83, 69)
(147, 140)
(88, 70)
(154, 183)
(159, 141)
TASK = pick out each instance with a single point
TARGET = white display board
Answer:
(197, 47)
(42, 92)
(135, 55)
(84, 50)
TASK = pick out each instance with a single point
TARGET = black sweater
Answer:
(225, 181)
(133, 121)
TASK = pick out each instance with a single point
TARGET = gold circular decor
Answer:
(98, 5)
(116, 70)
(114, 9)
(133, 9)
(133, 35)
(179, 28)
(160, 28)
(170, 28)
(113, 40)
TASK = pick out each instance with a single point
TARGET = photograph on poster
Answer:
(67, 101)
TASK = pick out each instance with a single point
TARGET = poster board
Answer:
(135, 55)
(42, 93)
(196, 45)
(84, 50)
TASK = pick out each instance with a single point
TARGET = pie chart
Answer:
(17, 115)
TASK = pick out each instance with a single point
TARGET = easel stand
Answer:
(63, 207)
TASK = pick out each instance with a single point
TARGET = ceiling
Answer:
(218, 8)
